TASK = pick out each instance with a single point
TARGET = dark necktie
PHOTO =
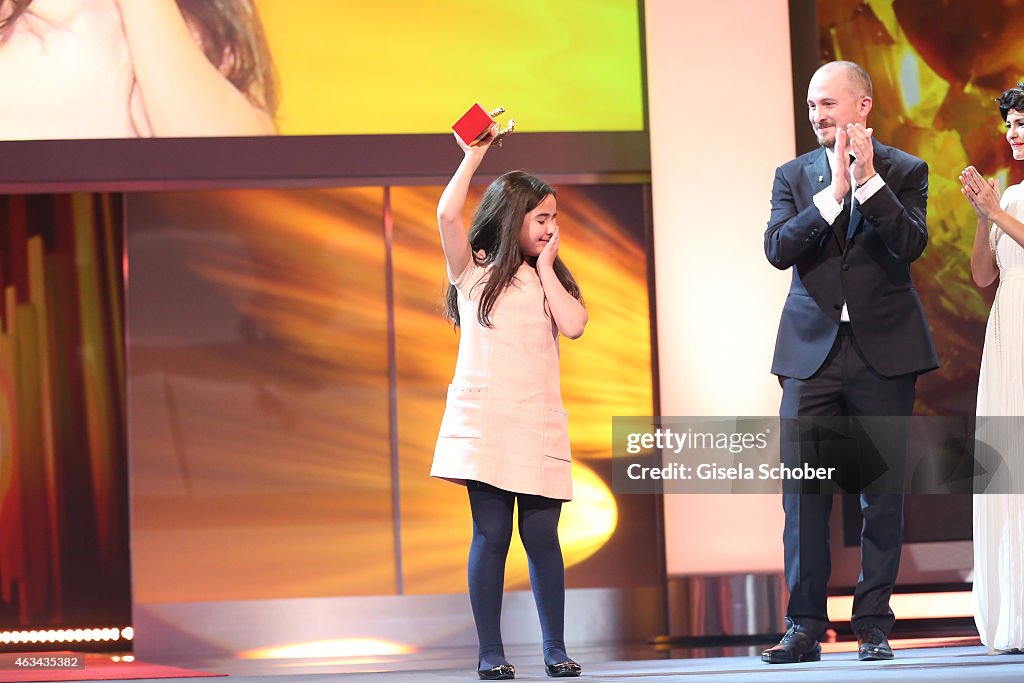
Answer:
(842, 222)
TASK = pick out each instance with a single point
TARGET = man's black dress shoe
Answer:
(873, 645)
(502, 672)
(566, 669)
(795, 646)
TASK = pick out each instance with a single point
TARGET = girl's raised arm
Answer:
(454, 240)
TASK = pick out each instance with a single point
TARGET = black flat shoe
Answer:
(872, 645)
(502, 672)
(566, 669)
(796, 646)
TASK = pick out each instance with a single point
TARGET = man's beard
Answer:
(823, 141)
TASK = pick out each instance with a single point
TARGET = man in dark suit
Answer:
(848, 219)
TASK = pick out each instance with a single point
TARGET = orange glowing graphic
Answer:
(934, 82)
(262, 443)
(63, 482)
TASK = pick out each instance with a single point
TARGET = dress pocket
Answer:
(556, 434)
(464, 412)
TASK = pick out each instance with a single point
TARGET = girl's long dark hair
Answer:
(232, 39)
(495, 229)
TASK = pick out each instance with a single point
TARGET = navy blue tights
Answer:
(492, 532)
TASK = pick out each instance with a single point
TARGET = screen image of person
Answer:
(134, 68)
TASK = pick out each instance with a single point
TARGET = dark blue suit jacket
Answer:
(872, 275)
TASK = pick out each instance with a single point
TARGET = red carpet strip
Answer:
(72, 666)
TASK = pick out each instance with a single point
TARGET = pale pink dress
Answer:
(504, 423)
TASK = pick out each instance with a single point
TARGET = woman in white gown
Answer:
(999, 517)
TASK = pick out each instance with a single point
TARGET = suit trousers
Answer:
(844, 386)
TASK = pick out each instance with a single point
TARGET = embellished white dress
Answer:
(999, 517)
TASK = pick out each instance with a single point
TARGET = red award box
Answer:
(473, 125)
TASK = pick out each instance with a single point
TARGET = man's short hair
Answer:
(859, 78)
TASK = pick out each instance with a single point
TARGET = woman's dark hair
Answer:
(1011, 99)
(231, 35)
(494, 231)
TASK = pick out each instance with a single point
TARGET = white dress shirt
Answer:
(830, 209)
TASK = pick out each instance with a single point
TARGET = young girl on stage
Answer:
(504, 433)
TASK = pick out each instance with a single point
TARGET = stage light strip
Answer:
(912, 605)
(362, 648)
(905, 643)
(68, 635)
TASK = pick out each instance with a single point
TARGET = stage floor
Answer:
(917, 664)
